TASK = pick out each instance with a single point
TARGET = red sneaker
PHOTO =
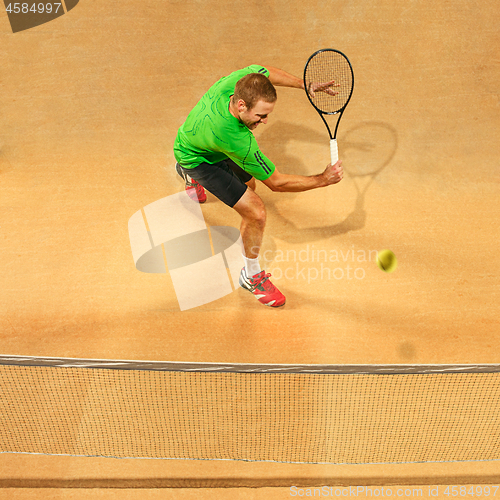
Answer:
(261, 286)
(194, 189)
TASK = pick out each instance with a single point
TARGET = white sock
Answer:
(252, 266)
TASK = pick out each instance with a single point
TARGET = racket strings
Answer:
(324, 67)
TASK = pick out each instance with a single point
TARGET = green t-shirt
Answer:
(211, 133)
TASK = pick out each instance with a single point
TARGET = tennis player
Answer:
(216, 150)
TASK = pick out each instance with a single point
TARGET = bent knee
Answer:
(257, 213)
(260, 215)
(251, 207)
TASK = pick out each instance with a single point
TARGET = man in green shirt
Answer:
(216, 150)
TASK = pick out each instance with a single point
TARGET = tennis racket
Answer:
(328, 82)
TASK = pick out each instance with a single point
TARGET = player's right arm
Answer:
(295, 183)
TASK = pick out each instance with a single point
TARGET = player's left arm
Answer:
(281, 78)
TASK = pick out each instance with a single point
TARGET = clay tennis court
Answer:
(91, 103)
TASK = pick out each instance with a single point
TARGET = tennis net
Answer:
(345, 414)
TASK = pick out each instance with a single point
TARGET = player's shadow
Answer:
(365, 149)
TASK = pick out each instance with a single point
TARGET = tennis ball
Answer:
(386, 261)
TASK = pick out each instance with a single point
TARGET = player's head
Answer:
(253, 88)
(254, 97)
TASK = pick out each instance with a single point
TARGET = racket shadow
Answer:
(366, 150)
(369, 148)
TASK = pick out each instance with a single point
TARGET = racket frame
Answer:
(333, 138)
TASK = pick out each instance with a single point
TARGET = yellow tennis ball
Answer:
(386, 261)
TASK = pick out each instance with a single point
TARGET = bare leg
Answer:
(253, 214)
(251, 183)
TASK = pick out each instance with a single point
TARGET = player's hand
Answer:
(322, 87)
(333, 173)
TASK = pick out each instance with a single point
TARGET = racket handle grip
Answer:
(334, 152)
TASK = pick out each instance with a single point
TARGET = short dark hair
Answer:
(254, 87)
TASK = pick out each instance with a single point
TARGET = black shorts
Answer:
(224, 179)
